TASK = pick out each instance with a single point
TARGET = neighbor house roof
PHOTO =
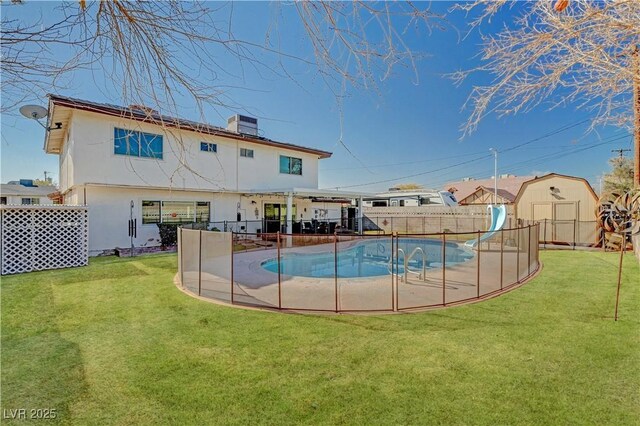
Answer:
(27, 191)
(508, 187)
(506, 195)
(54, 138)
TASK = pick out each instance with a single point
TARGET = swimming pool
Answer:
(368, 258)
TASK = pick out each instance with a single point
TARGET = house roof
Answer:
(506, 186)
(28, 191)
(55, 137)
(506, 195)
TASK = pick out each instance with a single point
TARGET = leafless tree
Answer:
(576, 52)
(174, 56)
(163, 53)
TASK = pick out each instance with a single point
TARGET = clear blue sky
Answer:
(404, 129)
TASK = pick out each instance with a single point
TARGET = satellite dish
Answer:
(33, 111)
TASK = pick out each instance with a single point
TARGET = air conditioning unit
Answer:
(243, 124)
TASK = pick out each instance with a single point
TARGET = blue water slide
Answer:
(498, 219)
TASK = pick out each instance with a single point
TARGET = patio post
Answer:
(289, 224)
(289, 219)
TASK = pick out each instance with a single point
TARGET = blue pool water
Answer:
(368, 258)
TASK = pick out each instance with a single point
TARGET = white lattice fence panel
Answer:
(36, 238)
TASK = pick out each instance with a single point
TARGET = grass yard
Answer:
(117, 343)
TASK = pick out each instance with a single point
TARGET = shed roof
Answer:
(551, 175)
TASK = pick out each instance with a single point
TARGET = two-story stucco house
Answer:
(133, 163)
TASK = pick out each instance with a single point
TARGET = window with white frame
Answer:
(31, 200)
(175, 211)
(208, 147)
(245, 152)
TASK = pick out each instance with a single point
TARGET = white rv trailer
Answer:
(411, 198)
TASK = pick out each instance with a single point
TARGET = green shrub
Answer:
(168, 234)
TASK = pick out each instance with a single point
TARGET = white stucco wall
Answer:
(109, 212)
(88, 157)
(91, 174)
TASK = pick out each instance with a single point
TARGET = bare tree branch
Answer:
(578, 56)
(168, 54)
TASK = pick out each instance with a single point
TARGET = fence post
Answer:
(423, 220)
(574, 234)
(397, 290)
(335, 266)
(623, 246)
(478, 268)
(538, 247)
(518, 255)
(529, 253)
(501, 256)
(393, 291)
(279, 278)
(406, 224)
(544, 237)
(200, 262)
(444, 268)
(180, 256)
(232, 256)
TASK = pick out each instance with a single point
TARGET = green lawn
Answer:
(116, 342)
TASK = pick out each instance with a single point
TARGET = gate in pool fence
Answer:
(355, 273)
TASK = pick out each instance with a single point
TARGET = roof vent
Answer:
(243, 124)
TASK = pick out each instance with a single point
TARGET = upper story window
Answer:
(290, 165)
(244, 152)
(208, 147)
(137, 144)
(27, 201)
(3, 200)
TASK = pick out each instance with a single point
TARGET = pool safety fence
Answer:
(355, 273)
(569, 233)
